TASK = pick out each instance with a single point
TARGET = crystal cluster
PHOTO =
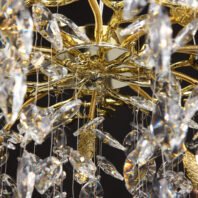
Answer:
(98, 62)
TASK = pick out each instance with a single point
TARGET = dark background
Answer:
(118, 122)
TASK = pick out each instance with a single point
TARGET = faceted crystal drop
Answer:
(185, 35)
(47, 25)
(48, 171)
(55, 192)
(143, 152)
(160, 38)
(136, 26)
(158, 126)
(7, 187)
(92, 189)
(179, 184)
(166, 86)
(93, 123)
(59, 138)
(12, 92)
(130, 141)
(142, 103)
(60, 149)
(26, 175)
(55, 72)
(108, 167)
(161, 189)
(108, 139)
(69, 27)
(25, 33)
(133, 7)
(85, 169)
(36, 122)
(37, 59)
(66, 112)
(134, 175)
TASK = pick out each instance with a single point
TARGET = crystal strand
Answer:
(101, 4)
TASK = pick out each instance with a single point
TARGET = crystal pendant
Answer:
(136, 26)
(59, 139)
(37, 60)
(54, 72)
(134, 175)
(130, 141)
(142, 103)
(143, 152)
(91, 124)
(66, 112)
(185, 35)
(178, 183)
(161, 189)
(70, 28)
(60, 149)
(84, 168)
(63, 153)
(133, 7)
(7, 186)
(48, 172)
(167, 87)
(108, 167)
(173, 185)
(12, 92)
(25, 33)
(92, 189)
(47, 25)
(108, 139)
(36, 123)
(26, 175)
(160, 38)
(55, 192)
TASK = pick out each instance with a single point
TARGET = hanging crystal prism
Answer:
(47, 25)
(185, 35)
(160, 38)
(66, 112)
(12, 92)
(26, 175)
(133, 7)
(130, 141)
(108, 139)
(143, 152)
(108, 167)
(85, 169)
(92, 189)
(54, 72)
(47, 171)
(69, 27)
(36, 122)
(91, 124)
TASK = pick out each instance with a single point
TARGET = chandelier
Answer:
(54, 73)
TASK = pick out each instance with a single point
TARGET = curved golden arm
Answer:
(98, 20)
